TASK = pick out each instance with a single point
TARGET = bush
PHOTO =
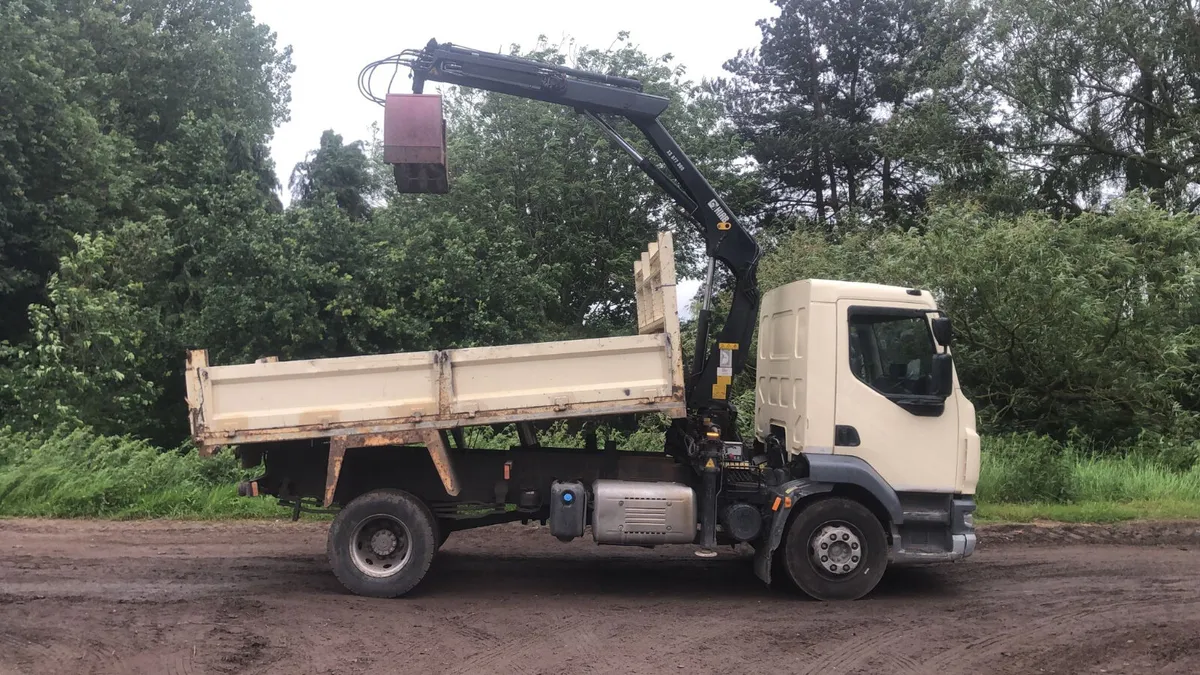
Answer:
(1029, 468)
(1166, 452)
(647, 437)
(1025, 468)
(78, 473)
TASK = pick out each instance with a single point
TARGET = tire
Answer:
(840, 523)
(382, 543)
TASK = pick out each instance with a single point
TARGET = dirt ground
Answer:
(170, 597)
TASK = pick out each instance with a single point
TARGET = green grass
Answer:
(1133, 479)
(1025, 469)
(1089, 512)
(194, 503)
(1024, 478)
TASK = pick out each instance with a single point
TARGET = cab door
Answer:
(887, 409)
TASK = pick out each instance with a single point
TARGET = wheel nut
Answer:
(845, 568)
(824, 558)
(833, 537)
(854, 545)
(833, 568)
(845, 536)
(824, 546)
(854, 558)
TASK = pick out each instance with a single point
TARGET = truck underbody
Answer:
(756, 502)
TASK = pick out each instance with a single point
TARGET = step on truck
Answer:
(864, 451)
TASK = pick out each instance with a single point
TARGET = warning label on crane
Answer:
(725, 362)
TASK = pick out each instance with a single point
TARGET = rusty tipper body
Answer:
(415, 397)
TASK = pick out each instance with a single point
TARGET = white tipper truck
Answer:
(864, 452)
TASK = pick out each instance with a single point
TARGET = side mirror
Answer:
(943, 374)
(942, 332)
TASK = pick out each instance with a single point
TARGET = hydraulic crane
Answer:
(597, 97)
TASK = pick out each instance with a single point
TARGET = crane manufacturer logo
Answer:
(722, 214)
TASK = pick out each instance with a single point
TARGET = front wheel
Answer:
(835, 549)
(382, 543)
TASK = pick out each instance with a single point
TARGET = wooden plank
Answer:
(647, 294)
(670, 406)
(639, 299)
(670, 305)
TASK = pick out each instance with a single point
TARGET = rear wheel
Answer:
(835, 549)
(381, 543)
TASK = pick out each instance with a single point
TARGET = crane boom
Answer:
(596, 96)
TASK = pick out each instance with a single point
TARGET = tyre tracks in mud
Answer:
(105, 598)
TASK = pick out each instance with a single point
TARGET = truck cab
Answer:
(856, 385)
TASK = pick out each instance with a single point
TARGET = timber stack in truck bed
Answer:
(393, 399)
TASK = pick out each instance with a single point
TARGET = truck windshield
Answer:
(891, 353)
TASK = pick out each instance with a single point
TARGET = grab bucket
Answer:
(414, 142)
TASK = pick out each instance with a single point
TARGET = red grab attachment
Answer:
(414, 142)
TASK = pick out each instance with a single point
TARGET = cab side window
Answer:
(892, 353)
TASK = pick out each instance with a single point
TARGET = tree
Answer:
(815, 100)
(343, 172)
(96, 356)
(124, 127)
(1084, 326)
(60, 171)
(96, 98)
(578, 209)
(1103, 97)
(537, 241)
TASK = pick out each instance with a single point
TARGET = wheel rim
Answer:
(381, 546)
(836, 550)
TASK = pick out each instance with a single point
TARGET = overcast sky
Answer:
(332, 41)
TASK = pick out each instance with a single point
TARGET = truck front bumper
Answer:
(962, 526)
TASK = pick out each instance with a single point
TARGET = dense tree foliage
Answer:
(819, 98)
(1101, 96)
(103, 107)
(536, 241)
(1087, 327)
(547, 179)
(338, 170)
(982, 151)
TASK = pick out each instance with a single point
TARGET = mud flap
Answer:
(781, 502)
